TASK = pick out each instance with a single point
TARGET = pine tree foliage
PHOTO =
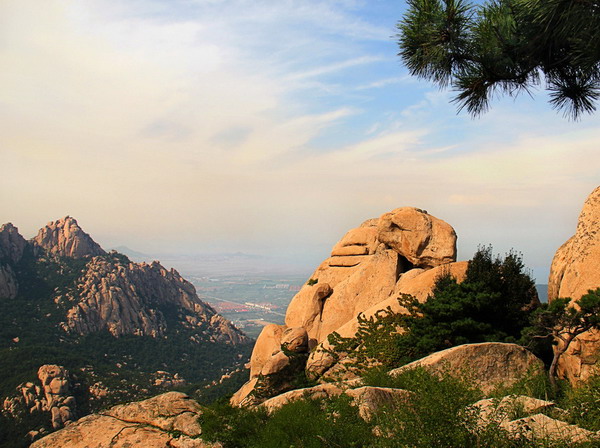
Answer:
(506, 47)
(492, 304)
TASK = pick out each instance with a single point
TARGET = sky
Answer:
(267, 127)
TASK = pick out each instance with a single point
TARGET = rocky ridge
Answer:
(127, 298)
(113, 293)
(104, 318)
(65, 238)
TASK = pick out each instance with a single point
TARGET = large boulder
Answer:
(488, 365)
(365, 267)
(574, 271)
(404, 251)
(422, 239)
(168, 420)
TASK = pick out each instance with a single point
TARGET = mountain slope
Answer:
(122, 330)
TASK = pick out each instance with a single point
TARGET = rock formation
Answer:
(574, 271)
(12, 244)
(12, 247)
(52, 394)
(488, 365)
(127, 298)
(168, 420)
(65, 238)
(404, 251)
(366, 266)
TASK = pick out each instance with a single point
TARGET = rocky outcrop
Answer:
(365, 267)
(12, 247)
(65, 238)
(168, 420)
(422, 239)
(416, 282)
(52, 394)
(488, 365)
(368, 399)
(12, 244)
(402, 252)
(574, 271)
(276, 365)
(127, 298)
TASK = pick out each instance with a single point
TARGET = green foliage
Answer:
(30, 336)
(312, 281)
(438, 414)
(507, 46)
(491, 304)
(232, 426)
(558, 323)
(305, 423)
(583, 403)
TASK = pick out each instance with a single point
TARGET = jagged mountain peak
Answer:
(64, 237)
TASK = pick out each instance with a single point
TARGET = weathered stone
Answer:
(241, 396)
(275, 363)
(574, 271)
(370, 400)
(295, 340)
(488, 365)
(422, 239)
(315, 392)
(416, 282)
(66, 239)
(501, 411)
(168, 420)
(365, 286)
(268, 343)
(542, 427)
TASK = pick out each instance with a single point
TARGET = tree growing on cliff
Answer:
(506, 46)
(560, 324)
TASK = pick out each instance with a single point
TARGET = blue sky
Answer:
(267, 127)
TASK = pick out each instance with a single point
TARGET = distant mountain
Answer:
(95, 328)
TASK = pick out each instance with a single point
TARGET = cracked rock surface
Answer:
(167, 420)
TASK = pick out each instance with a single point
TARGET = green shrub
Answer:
(583, 404)
(492, 304)
(315, 424)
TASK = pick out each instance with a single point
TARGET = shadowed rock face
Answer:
(574, 271)
(66, 239)
(12, 244)
(12, 247)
